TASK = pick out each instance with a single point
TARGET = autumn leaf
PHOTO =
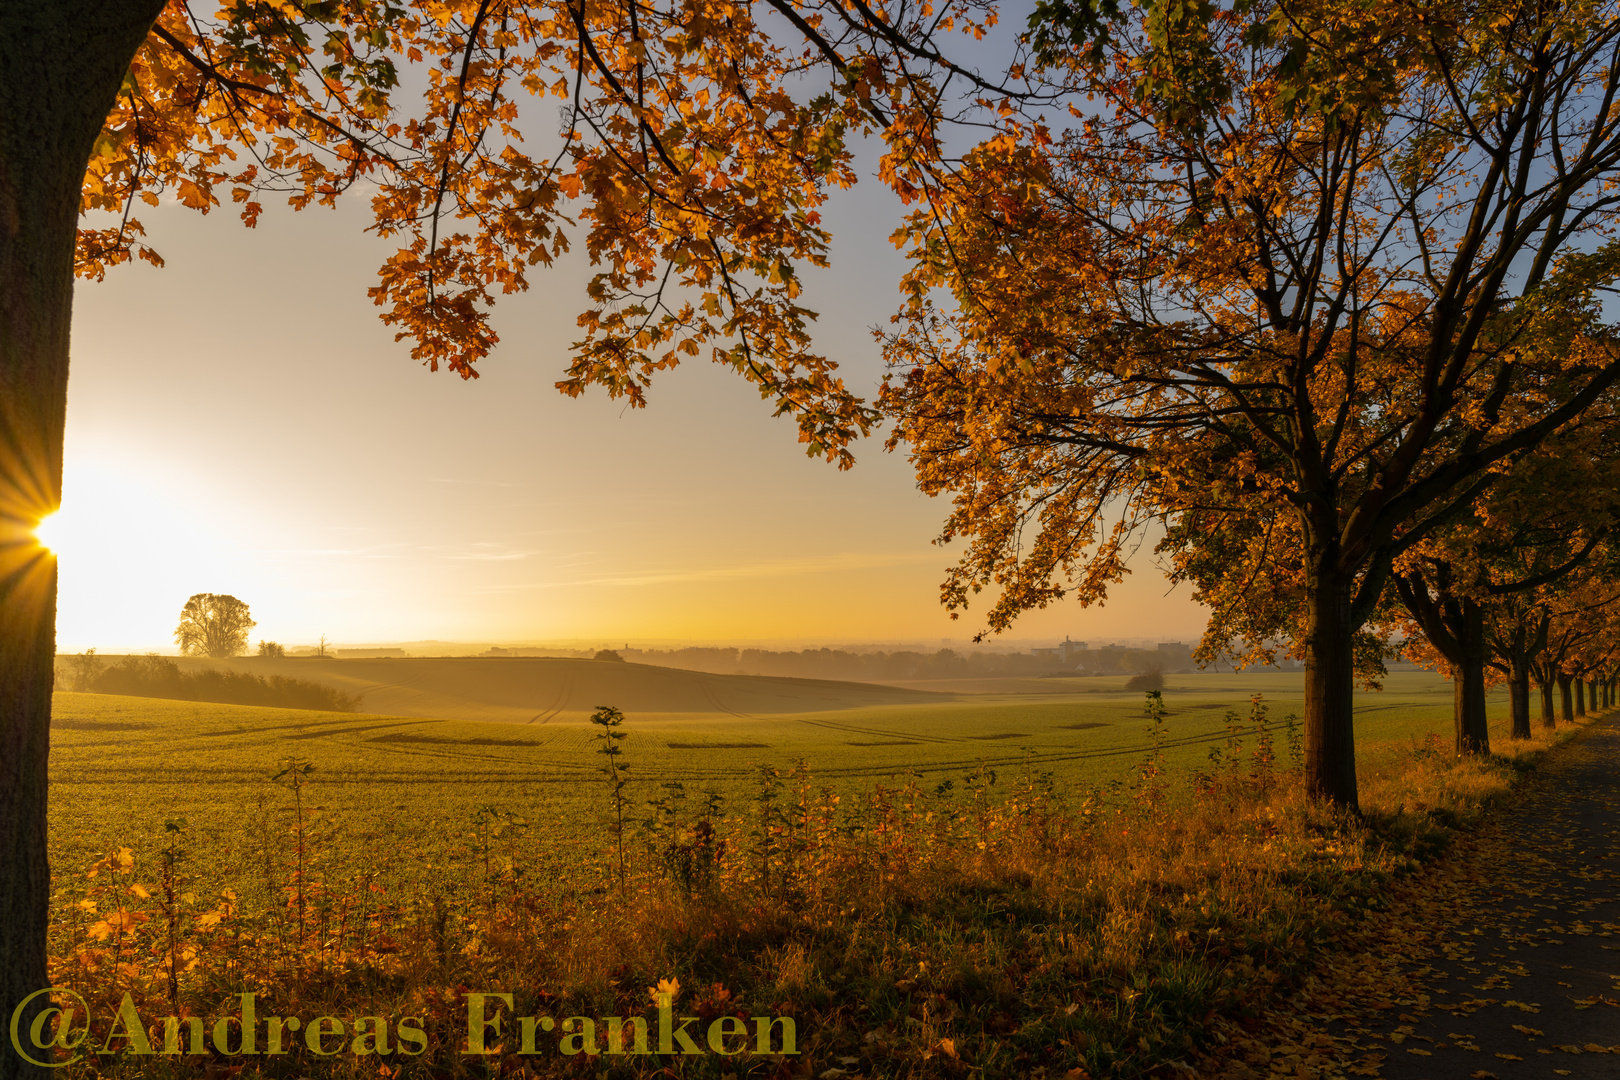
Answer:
(665, 993)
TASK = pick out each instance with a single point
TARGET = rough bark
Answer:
(1330, 679)
(1519, 698)
(1455, 626)
(61, 64)
(1473, 736)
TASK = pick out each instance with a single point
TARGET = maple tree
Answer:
(1477, 588)
(1313, 270)
(700, 139)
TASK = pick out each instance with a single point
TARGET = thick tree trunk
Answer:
(1468, 675)
(1580, 696)
(1330, 680)
(1519, 699)
(1592, 695)
(61, 64)
(1566, 711)
(1547, 718)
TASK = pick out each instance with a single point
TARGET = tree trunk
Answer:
(1330, 679)
(1468, 675)
(1580, 696)
(1519, 698)
(61, 64)
(1592, 695)
(1566, 707)
(1547, 718)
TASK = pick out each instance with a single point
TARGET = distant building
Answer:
(1067, 652)
(1177, 655)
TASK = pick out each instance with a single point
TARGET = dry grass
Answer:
(1001, 925)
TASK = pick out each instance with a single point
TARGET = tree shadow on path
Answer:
(1502, 960)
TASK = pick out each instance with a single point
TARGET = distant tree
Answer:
(323, 648)
(609, 654)
(85, 667)
(1151, 672)
(271, 650)
(1151, 681)
(213, 624)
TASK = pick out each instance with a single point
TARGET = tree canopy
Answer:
(1295, 276)
(696, 146)
(213, 624)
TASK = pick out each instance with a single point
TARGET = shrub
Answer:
(1148, 681)
(157, 676)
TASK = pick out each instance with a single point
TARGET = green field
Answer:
(1082, 909)
(122, 766)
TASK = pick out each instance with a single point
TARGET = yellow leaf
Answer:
(193, 196)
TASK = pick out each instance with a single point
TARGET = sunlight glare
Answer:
(134, 541)
(49, 532)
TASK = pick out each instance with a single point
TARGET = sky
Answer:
(241, 422)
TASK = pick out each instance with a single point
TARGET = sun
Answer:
(49, 532)
(54, 531)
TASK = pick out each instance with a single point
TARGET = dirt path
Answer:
(1503, 962)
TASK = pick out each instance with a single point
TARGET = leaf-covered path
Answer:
(1503, 960)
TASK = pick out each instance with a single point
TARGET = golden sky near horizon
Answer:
(241, 422)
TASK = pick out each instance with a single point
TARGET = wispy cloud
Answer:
(480, 483)
(843, 562)
(491, 556)
(377, 551)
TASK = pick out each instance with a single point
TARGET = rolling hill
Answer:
(551, 690)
